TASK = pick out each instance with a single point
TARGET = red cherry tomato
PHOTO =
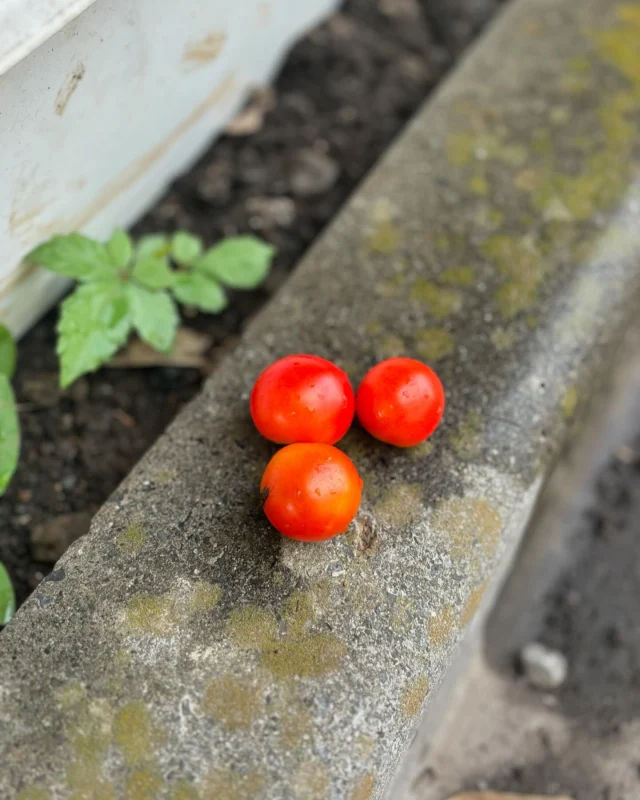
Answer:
(400, 401)
(312, 491)
(302, 399)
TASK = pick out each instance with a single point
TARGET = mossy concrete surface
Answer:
(183, 649)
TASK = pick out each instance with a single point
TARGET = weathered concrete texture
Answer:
(185, 650)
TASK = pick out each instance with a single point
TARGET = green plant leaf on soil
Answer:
(240, 262)
(185, 247)
(94, 323)
(75, 256)
(154, 316)
(7, 597)
(199, 290)
(154, 273)
(7, 352)
(120, 248)
(9, 433)
(154, 244)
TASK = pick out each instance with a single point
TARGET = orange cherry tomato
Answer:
(311, 491)
(400, 401)
(302, 399)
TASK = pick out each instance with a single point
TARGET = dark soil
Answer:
(343, 94)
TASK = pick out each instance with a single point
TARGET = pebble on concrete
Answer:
(543, 667)
(313, 173)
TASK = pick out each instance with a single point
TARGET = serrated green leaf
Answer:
(7, 352)
(240, 262)
(185, 247)
(154, 316)
(94, 323)
(154, 244)
(120, 248)
(154, 273)
(75, 256)
(7, 597)
(9, 433)
(199, 290)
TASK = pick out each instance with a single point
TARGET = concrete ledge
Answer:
(183, 649)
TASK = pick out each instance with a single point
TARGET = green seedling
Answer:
(125, 287)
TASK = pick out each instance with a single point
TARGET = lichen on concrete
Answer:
(432, 344)
(33, 793)
(391, 346)
(466, 440)
(311, 780)
(440, 301)
(413, 696)
(232, 702)
(184, 791)
(459, 276)
(252, 627)
(472, 604)
(441, 626)
(569, 402)
(160, 615)
(189, 652)
(295, 723)
(131, 539)
(229, 785)
(401, 504)
(467, 525)
(306, 656)
(364, 788)
(135, 734)
(143, 785)
(385, 238)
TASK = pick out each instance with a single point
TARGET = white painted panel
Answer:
(26, 24)
(98, 119)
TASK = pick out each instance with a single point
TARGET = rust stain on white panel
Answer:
(29, 202)
(68, 88)
(21, 222)
(138, 168)
(203, 52)
(264, 12)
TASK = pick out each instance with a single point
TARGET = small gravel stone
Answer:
(544, 668)
(41, 389)
(313, 173)
(215, 182)
(272, 211)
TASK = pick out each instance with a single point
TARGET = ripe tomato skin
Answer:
(302, 398)
(400, 401)
(312, 491)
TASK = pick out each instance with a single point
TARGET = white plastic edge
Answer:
(26, 24)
